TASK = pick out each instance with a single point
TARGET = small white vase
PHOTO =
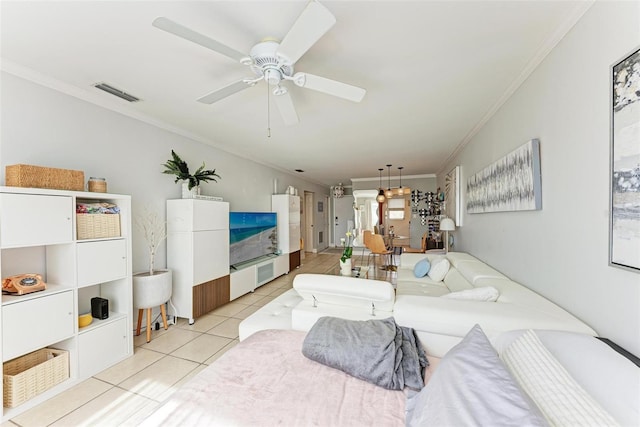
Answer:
(345, 267)
(189, 194)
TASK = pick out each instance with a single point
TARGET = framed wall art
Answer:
(452, 195)
(512, 183)
(624, 218)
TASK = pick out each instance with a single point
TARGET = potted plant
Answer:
(347, 251)
(191, 187)
(151, 288)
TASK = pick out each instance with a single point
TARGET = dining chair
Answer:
(423, 246)
(378, 249)
(366, 236)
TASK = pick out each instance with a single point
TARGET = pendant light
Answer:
(380, 197)
(402, 191)
(389, 192)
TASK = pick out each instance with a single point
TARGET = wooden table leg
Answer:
(140, 314)
(148, 324)
(163, 310)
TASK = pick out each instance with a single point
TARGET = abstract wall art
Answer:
(624, 219)
(510, 184)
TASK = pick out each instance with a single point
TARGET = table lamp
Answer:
(447, 225)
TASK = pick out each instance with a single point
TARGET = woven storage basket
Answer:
(43, 177)
(97, 226)
(29, 375)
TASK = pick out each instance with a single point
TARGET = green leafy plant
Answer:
(178, 167)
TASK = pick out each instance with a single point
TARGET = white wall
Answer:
(561, 251)
(41, 126)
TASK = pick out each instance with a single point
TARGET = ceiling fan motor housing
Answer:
(267, 63)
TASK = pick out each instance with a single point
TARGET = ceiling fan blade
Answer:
(314, 21)
(219, 94)
(332, 87)
(286, 108)
(188, 34)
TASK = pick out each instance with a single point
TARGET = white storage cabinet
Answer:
(288, 209)
(38, 235)
(198, 255)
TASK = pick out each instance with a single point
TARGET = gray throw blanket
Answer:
(376, 351)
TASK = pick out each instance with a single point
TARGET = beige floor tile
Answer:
(201, 324)
(249, 298)
(142, 338)
(62, 404)
(246, 312)
(228, 328)
(171, 341)
(169, 391)
(113, 408)
(141, 359)
(201, 348)
(221, 352)
(155, 380)
(229, 309)
(277, 292)
(264, 301)
(8, 424)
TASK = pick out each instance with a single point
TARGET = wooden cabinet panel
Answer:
(210, 295)
(294, 260)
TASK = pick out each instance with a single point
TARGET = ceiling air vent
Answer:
(116, 92)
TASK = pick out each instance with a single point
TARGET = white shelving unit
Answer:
(198, 255)
(38, 235)
(288, 209)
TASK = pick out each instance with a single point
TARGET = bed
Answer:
(266, 381)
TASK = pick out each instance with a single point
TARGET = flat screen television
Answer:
(251, 235)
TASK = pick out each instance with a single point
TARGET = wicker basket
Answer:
(98, 226)
(27, 376)
(43, 177)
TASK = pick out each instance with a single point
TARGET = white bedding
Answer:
(266, 381)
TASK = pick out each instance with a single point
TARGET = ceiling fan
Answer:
(274, 61)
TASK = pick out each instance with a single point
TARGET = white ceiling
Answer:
(434, 72)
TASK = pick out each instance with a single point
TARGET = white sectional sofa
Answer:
(421, 303)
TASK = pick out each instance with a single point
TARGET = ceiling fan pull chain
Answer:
(268, 113)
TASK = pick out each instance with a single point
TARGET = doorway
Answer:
(309, 243)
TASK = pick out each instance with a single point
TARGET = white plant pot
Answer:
(345, 267)
(151, 291)
(189, 194)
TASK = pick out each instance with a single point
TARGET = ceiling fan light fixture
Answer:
(279, 90)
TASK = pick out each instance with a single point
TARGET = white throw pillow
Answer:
(439, 269)
(484, 293)
(471, 386)
(558, 395)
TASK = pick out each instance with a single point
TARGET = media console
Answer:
(248, 276)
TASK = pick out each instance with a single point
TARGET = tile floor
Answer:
(125, 394)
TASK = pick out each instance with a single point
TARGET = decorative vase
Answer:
(345, 267)
(189, 194)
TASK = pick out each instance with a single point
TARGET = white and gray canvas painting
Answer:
(510, 184)
(625, 182)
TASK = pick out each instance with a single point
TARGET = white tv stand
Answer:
(248, 276)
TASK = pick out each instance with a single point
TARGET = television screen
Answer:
(251, 235)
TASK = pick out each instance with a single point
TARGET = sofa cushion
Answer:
(455, 281)
(327, 290)
(421, 268)
(439, 269)
(471, 384)
(485, 293)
